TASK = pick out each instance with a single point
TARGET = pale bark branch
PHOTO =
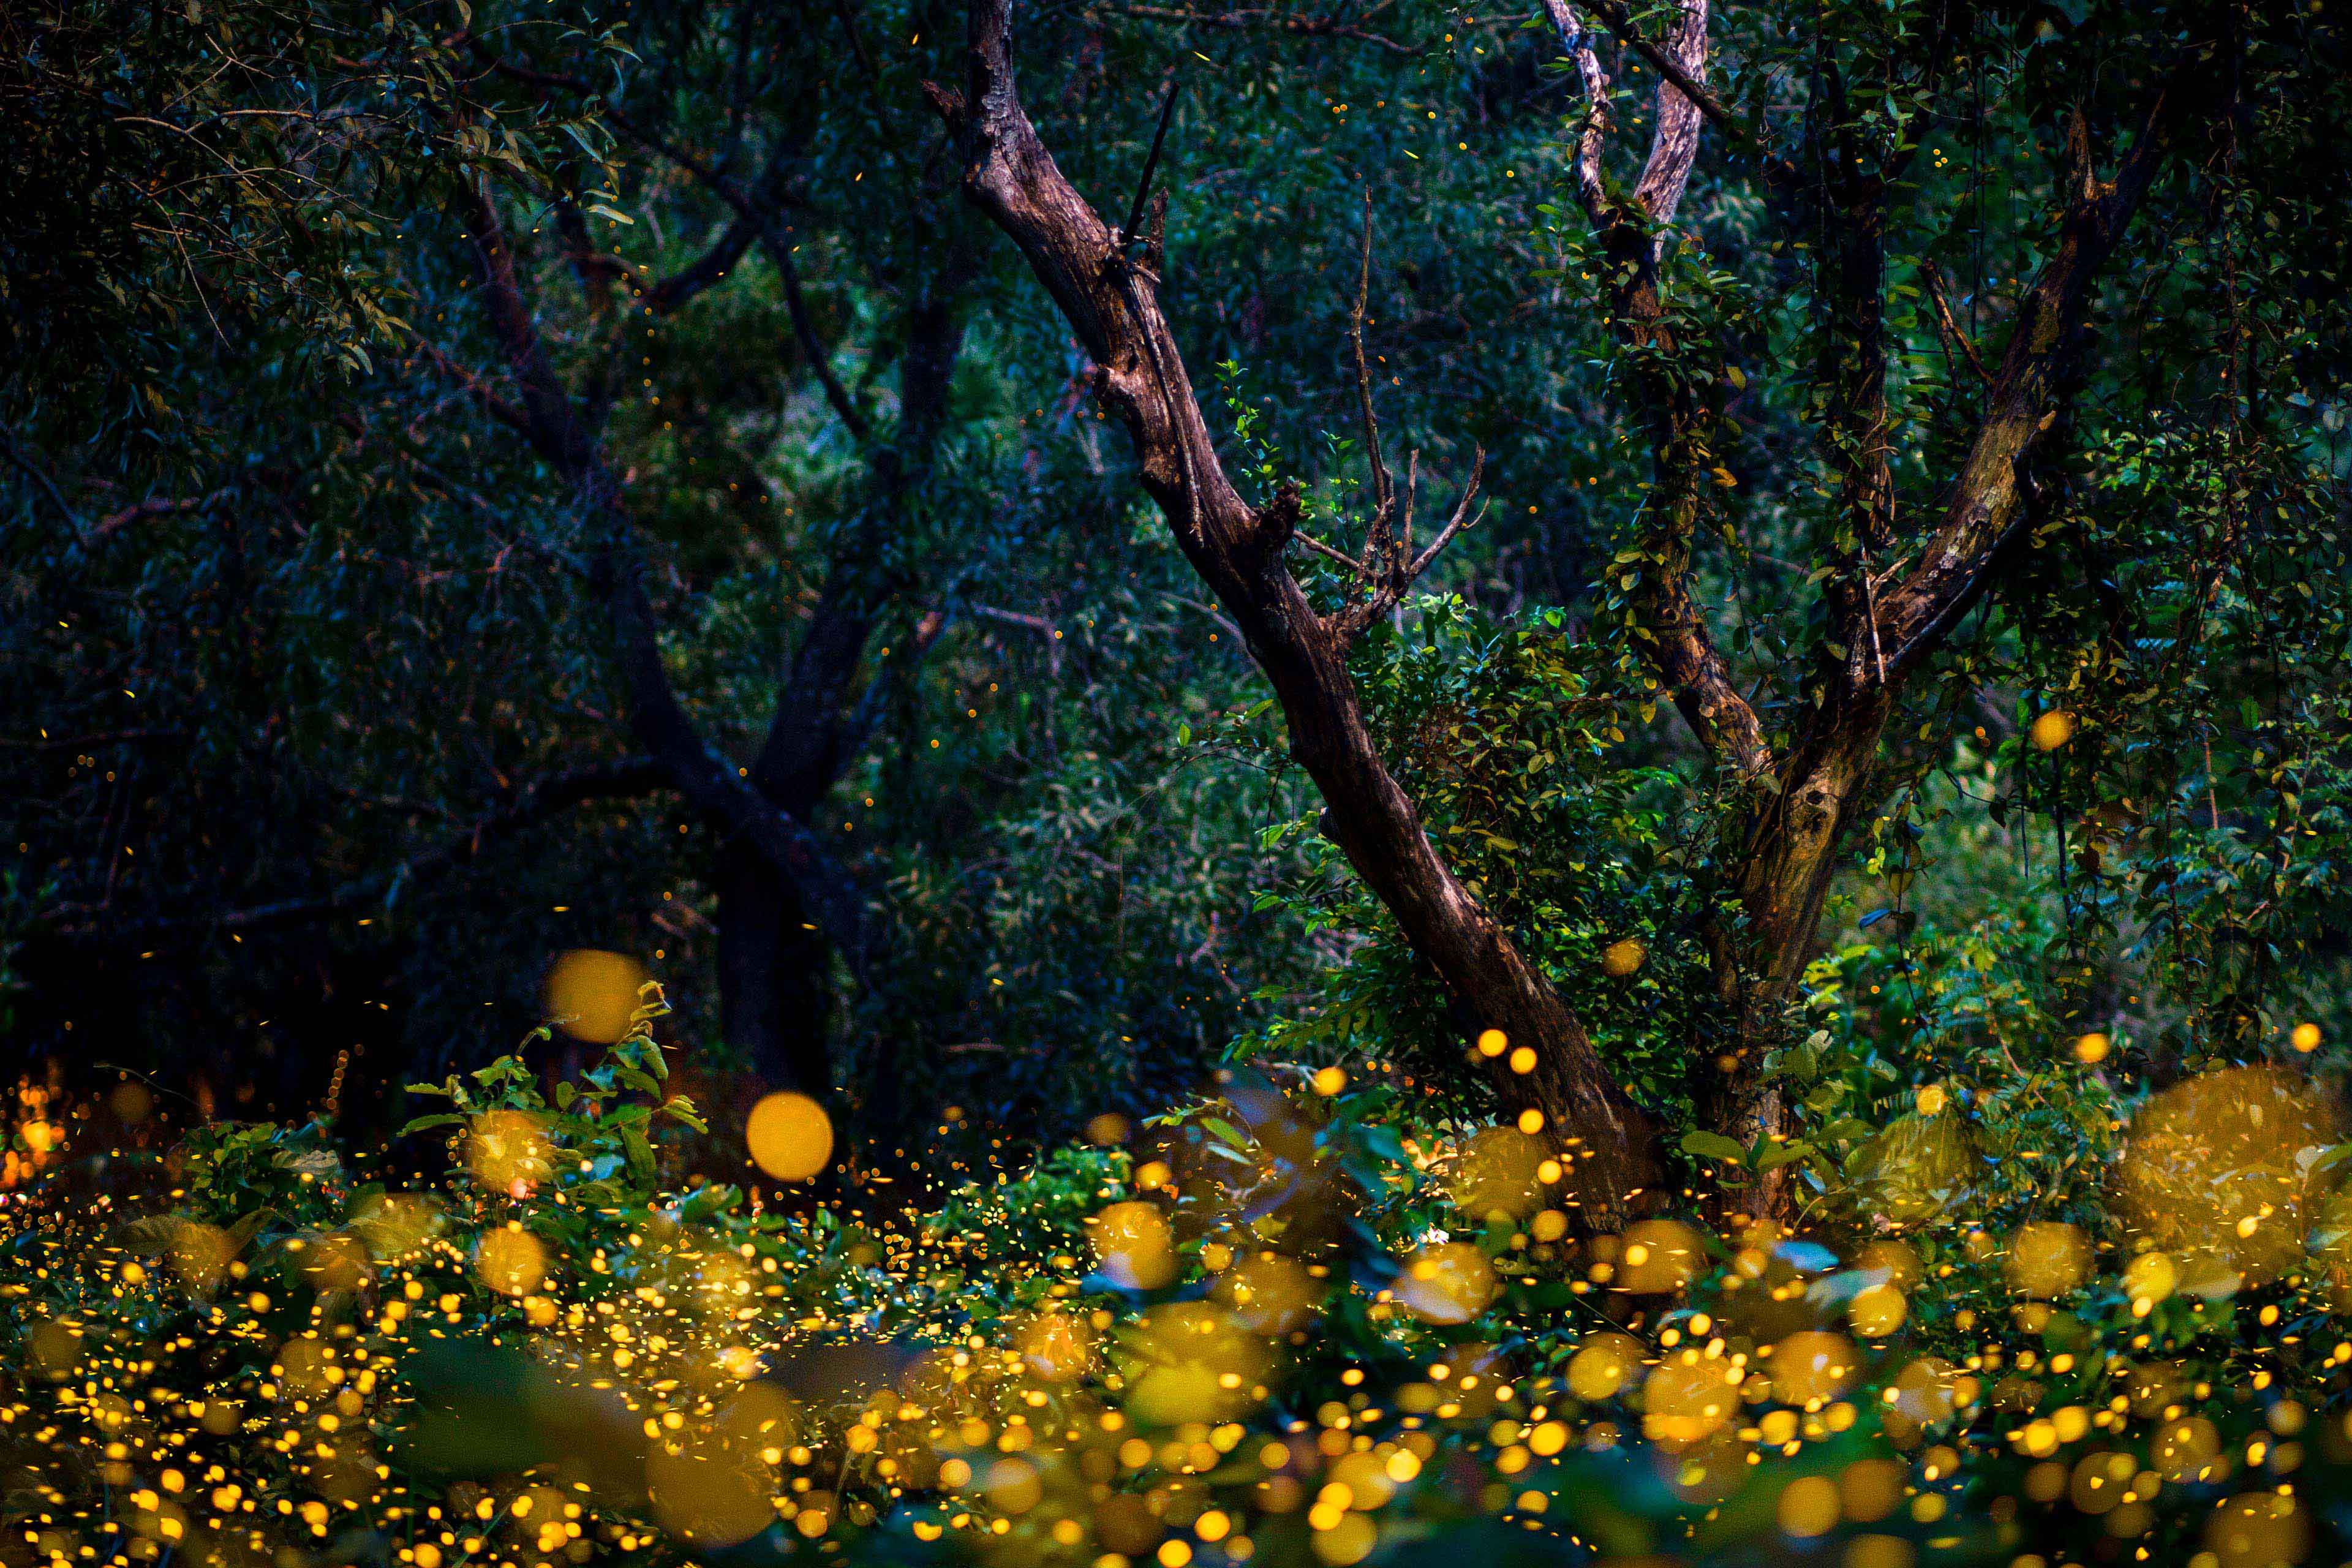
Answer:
(1672, 634)
(1237, 548)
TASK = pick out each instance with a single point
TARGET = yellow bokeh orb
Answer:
(2219, 1172)
(1623, 957)
(1605, 1365)
(1450, 1282)
(2053, 729)
(1807, 1507)
(1687, 1398)
(2047, 1260)
(1271, 1294)
(2150, 1278)
(591, 995)
(790, 1136)
(510, 1150)
(1659, 1257)
(2258, 1529)
(1877, 1310)
(511, 1262)
(1134, 1245)
(1812, 1367)
(1497, 1171)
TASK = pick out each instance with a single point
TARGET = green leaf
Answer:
(1714, 1146)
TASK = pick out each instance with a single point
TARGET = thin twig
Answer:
(1460, 520)
(498, 408)
(1946, 327)
(1383, 486)
(41, 476)
(1151, 160)
(1341, 556)
(88, 742)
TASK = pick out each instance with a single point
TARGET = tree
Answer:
(1904, 553)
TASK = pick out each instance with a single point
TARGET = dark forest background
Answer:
(429, 431)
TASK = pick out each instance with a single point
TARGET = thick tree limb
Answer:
(1237, 548)
(814, 731)
(1674, 138)
(722, 792)
(1592, 139)
(761, 211)
(1849, 203)
(1985, 505)
(1673, 64)
(1790, 853)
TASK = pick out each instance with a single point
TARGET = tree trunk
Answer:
(1784, 874)
(775, 975)
(1610, 1148)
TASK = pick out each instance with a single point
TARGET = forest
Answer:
(1116, 784)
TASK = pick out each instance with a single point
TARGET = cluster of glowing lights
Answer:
(1164, 1390)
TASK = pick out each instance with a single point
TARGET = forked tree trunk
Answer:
(1111, 301)
(1791, 854)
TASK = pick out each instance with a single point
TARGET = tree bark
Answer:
(776, 1000)
(1111, 301)
(1797, 803)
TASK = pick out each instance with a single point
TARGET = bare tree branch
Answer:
(1948, 327)
(92, 741)
(496, 406)
(113, 522)
(1396, 568)
(778, 243)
